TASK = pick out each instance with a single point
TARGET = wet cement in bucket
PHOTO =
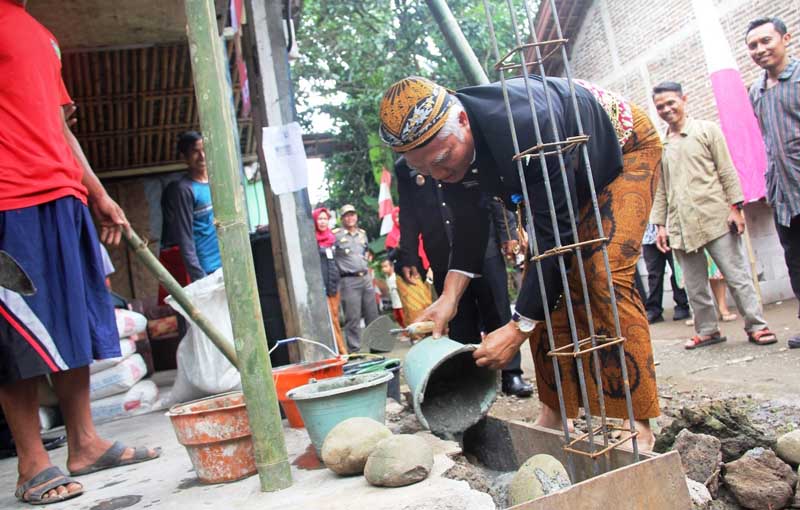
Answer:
(457, 395)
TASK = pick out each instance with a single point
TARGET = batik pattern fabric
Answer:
(412, 111)
(617, 108)
(624, 207)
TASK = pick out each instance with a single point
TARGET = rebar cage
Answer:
(515, 61)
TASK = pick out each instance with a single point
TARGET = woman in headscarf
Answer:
(330, 273)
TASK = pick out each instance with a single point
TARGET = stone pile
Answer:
(729, 463)
(364, 446)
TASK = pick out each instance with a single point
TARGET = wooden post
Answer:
(224, 160)
(294, 245)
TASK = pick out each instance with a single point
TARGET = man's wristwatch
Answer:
(523, 324)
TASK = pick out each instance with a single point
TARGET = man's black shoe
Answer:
(514, 385)
(653, 318)
(681, 314)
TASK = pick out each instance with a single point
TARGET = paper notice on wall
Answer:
(285, 157)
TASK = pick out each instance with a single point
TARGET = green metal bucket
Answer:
(325, 404)
(449, 391)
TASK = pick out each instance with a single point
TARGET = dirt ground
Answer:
(763, 380)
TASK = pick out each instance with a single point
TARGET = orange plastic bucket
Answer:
(216, 434)
(299, 374)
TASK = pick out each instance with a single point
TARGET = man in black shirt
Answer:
(463, 140)
(485, 305)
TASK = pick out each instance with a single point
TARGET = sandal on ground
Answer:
(762, 337)
(47, 480)
(728, 317)
(689, 322)
(113, 458)
(698, 341)
(794, 342)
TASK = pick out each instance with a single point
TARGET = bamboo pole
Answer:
(218, 123)
(459, 45)
(150, 261)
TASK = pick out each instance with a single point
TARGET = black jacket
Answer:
(498, 173)
(424, 210)
(330, 272)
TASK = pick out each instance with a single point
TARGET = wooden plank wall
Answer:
(132, 105)
(134, 102)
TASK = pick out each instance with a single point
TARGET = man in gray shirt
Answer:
(358, 294)
(776, 102)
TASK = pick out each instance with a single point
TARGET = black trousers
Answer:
(790, 241)
(656, 263)
(485, 306)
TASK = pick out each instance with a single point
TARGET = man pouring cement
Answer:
(463, 139)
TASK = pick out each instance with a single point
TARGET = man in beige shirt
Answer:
(698, 208)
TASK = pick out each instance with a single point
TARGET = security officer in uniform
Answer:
(485, 305)
(355, 286)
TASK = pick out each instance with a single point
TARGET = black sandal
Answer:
(47, 480)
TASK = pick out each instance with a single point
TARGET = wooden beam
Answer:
(294, 246)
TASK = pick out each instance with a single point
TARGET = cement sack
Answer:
(126, 346)
(202, 369)
(136, 400)
(129, 323)
(117, 379)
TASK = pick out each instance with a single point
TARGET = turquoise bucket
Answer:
(324, 404)
(449, 391)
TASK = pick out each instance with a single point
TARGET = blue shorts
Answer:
(69, 321)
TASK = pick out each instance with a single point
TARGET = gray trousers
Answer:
(728, 253)
(358, 301)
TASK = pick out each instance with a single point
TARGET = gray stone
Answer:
(405, 424)
(399, 460)
(724, 420)
(701, 456)
(394, 410)
(349, 443)
(499, 489)
(760, 480)
(540, 475)
(788, 447)
(470, 473)
(701, 498)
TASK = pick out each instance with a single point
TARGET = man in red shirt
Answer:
(46, 189)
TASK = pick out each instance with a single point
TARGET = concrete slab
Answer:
(169, 482)
(654, 484)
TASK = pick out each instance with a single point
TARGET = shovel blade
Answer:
(13, 277)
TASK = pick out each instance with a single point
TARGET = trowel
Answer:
(418, 328)
(13, 277)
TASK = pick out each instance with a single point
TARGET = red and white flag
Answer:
(736, 117)
(385, 205)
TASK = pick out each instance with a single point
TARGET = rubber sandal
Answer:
(696, 341)
(762, 337)
(113, 458)
(729, 317)
(48, 479)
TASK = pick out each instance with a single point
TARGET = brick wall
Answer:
(631, 46)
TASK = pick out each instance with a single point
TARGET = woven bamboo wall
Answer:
(134, 102)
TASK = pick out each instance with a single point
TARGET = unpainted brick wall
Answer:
(629, 46)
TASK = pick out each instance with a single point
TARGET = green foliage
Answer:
(352, 50)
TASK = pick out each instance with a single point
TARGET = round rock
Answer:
(348, 445)
(788, 447)
(540, 475)
(399, 460)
